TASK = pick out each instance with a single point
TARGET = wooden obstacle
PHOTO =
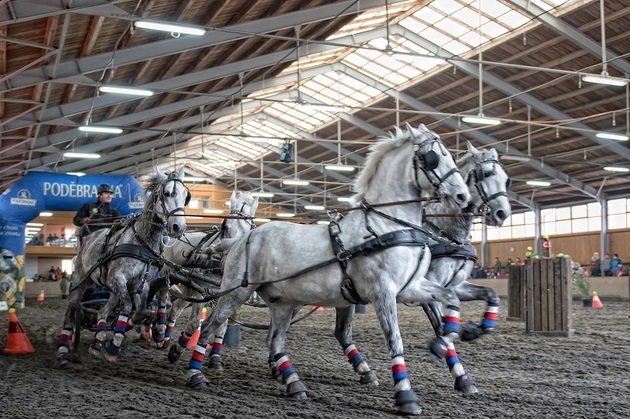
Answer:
(546, 298)
(516, 293)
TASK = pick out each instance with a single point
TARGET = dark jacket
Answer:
(101, 216)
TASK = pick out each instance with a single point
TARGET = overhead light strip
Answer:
(73, 155)
(170, 27)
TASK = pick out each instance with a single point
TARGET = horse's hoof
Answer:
(95, 348)
(161, 344)
(111, 351)
(471, 332)
(215, 363)
(198, 381)
(408, 402)
(297, 390)
(437, 350)
(174, 354)
(466, 384)
(369, 377)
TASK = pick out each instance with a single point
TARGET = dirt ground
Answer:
(518, 375)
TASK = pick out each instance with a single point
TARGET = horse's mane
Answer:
(377, 152)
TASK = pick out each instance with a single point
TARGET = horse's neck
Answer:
(148, 230)
(392, 184)
(455, 228)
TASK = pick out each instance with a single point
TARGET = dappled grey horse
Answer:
(124, 259)
(193, 249)
(452, 264)
(291, 265)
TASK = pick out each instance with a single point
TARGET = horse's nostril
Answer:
(175, 228)
(500, 215)
(461, 198)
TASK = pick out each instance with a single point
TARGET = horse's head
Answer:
(435, 168)
(488, 183)
(170, 196)
(242, 206)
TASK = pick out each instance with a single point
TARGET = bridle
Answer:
(428, 162)
(243, 216)
(161, 195)
(479, 175)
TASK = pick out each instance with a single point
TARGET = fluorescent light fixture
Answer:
(261, 220)
(194, 217)
(285, 214)
(314, 207)
(604, 78)
(295, 182)
(170, 27)
(323, 222)
(263, 194)
(538, 183)
(344, 199)
(79, 174)
(45, 214)
(103, 130)
(515, 158)
(35, 224)
(611, 136)
(339, 167)
(73, 155)
(194, 179)
(213, 211)
(617, 169)
(228, 203)
(481, 120)
(126, 91)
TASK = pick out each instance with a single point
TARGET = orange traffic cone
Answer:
(597, 303)
(17, 342)
(41, 296)
(195, 337)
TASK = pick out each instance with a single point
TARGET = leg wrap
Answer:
(183, 340)
(64, 338)
(161, 315)
(489, 321)
(217, 346)
(169, 329)
(121, 324)
(354, 356)
(197, 357)
(451, 321)
(399, 371)
(284, 365)
(101, 325)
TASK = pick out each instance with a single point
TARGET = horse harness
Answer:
(479, 175)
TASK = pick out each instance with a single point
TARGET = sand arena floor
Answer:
(518, 375)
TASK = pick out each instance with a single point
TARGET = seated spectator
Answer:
(606, 265)
(595, 265)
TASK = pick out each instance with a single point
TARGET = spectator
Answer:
(595, 265)
(615, 262)
(519, 262)
(621, 270)
(96, 215)
(509, 262)
(606, 265)
(497, 267)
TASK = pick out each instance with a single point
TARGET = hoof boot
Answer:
(369, 377)
(297, 390)
(408, 403)
(174, 354)
(437, 349)
(95, 348)
(215, 363)
(471, 332)
(111, 351)
(198, 381)
(466, 384)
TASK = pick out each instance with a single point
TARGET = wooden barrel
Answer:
(548, 296)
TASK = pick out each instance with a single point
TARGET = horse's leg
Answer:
(101, 325)
(470, 292)
(113, 347)
(444, 347)
(407, 400)
(343, 333)
(226, 306)
(215, 362)
(159, 331)
(279, 362)
(69, 323)
(177, 348)
(434, 314)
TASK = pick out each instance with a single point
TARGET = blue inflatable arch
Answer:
(41, 191)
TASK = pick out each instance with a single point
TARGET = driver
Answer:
(94, 216)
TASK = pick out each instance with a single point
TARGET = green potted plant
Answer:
(583, 285)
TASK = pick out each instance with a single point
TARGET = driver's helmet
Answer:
(104, 188)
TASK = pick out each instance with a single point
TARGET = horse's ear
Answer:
(160, 174)
(233, 200)
(471, 148)
(180, 173)
(423, 127)
(494, 154)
